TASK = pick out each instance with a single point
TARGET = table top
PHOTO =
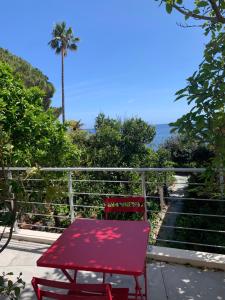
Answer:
(108, 246)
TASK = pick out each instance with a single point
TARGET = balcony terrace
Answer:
(192, 272)
(165, 280)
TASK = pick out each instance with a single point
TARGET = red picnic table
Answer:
(107, 246)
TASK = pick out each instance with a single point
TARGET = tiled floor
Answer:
(165, 281)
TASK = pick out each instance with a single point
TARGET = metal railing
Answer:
(165, 211)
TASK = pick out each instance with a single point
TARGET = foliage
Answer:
(202, 189)
(30, 76)
(205, 92)
(63, 39)
(205, 125)
(211, 13)
(29, 136)
(10, 288)
(124, 141)
(35, 135)
(116, 143)
(186, 153)
(7, 205)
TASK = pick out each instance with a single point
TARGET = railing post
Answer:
(143, 187)
(9, 175)
(70, 193)
(221, 183)
(161, 197)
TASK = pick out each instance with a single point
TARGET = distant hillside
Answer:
(29, 75)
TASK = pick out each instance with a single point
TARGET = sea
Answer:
(162, 134)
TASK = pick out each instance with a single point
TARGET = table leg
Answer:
(138, 288)
(146, 282)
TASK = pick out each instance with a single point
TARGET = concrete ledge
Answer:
(171, 255)
(41, 237)
(193, 258)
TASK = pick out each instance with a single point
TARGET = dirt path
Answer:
(177, 191)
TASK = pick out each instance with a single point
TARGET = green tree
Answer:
(117, 143)
(184, 152)
(30, 76)
(125, 141)
(211, 13)
(63, 40)
(205, 93)
(29, 136)
(35, 134)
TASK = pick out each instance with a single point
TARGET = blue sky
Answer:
(132, 56)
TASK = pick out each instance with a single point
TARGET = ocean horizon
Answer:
(162, 134)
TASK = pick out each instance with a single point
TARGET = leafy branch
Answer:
(10, 288)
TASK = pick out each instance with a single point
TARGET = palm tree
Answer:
(62, 41)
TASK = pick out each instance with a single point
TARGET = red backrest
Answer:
(125, 205)
(73, 291)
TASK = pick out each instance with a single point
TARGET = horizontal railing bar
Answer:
(187, 183)
(99, 169)
(190, 243)
(125, 181)
(96, 194)
(45, 215)
(76, 205)
(42, 226)
(43, 203)
(190, 214)
(103, 181)
(40, 179)
(35, 191)
(193, 199)
(116, 181)
(119, 181)
(191, 228)
(122, 195)
(102, 194)
(88, 206)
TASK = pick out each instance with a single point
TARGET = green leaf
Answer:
(180, 96)
(17, 291)
(10, 284)
(169, 8)
(202, 3)
(196, 11)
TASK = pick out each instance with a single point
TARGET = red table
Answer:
(107, 246)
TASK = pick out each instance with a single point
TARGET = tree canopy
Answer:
(118, 143)
(35, 136)
(30, 76)
(205, 92)
(211, 13)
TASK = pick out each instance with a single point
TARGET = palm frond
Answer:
(58, 50)
(69, 32)
(63, 38)
(72, 47)
(54, 43)
(75, 40)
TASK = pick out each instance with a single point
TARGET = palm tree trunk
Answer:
(63, 98)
